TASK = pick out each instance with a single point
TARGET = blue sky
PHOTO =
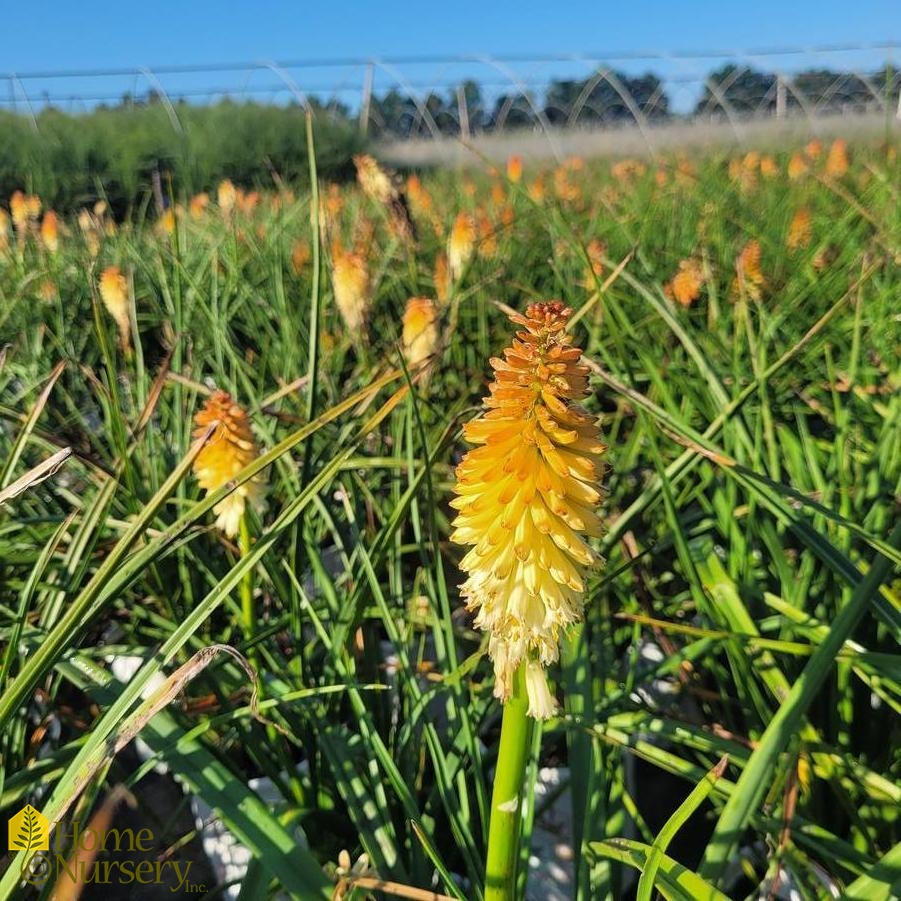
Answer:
(99, 35)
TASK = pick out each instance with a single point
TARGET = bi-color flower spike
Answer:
(527, 499)
(229, 449)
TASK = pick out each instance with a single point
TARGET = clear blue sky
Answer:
(96, 35)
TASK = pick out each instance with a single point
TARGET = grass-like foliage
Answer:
(748, 606)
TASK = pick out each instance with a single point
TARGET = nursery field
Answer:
(258, 532)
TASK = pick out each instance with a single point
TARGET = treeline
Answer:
(115, 153)
(610, 97)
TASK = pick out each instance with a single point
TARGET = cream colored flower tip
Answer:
(527, 500)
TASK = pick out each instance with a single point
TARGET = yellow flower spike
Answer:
(373, 179)
(384, 189)
(420, 333)
(226, 197)
(460, 244)
(527, 497)
(114, 294)
(4, 229)
(351, 286)
(230, 448)
(166, 223)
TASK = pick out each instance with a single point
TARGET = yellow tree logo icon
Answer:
(29, 830)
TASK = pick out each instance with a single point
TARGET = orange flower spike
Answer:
(686, 171)
(514, 169)
(441, 278)
(18, 209)
(114, 294)
(596, 251)
(4, 229)
(800, 232)
(797, 166)
(50, 231)
(229, 449)
(768, 167)
(247, 203)
(33, 207)
(199, 203)
(837, 160)
(300, 255)
(537, 189)
(527, 498)
(685, 288)
(748, 277)
(420, 198)
(334, 201)
(487, 235)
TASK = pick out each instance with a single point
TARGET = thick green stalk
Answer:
(507, 796)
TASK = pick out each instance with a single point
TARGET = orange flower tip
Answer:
(229, 449)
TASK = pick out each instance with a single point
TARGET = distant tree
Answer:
(559, 100)
(650, 98)
(605, 97)
(830, 91)
(443, 113)
(745, 90)
(393, 114)
(512, 111)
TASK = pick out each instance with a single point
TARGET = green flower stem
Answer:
(507, 796)
(246, 588)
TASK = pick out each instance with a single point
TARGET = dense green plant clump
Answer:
(740, 321)
(113, 153)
